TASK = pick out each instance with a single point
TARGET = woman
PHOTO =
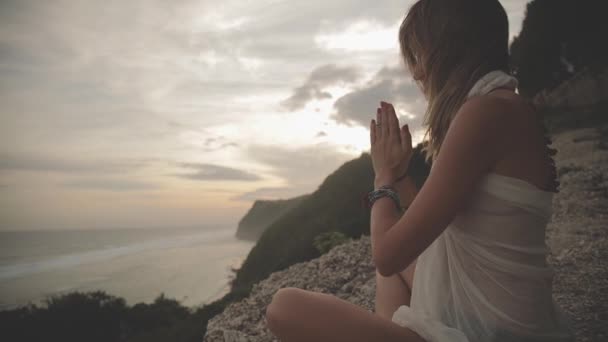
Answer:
(470, 247)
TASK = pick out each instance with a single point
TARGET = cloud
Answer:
(211, 172)
(45, 164)
(303, 168)
(109, 184)
(94, 90)
(391, 84)
(515, 11)
(361, 36)
(319, 78)
(205, 140)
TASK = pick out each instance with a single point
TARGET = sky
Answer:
(150, 114)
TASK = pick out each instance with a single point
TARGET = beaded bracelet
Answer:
(385, 190)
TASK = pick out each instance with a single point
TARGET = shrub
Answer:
(324, 242)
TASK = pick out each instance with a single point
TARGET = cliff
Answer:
(334, 206)
(586, 88)
(576, 236)
(262, 214)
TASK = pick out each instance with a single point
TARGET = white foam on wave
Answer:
(17, 270)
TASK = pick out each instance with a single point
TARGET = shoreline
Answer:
(191, 267)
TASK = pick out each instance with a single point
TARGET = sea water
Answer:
(190, 265)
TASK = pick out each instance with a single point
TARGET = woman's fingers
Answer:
(406, 137)
(372, 132)
(386, 123)
(378, 122)
(392, 120)
(394, 126)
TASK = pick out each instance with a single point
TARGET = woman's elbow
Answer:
(388, 265)
(383, 267)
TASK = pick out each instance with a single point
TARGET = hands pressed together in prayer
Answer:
(391, 146)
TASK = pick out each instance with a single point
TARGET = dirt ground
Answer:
(578, 232)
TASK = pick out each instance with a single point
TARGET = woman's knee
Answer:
(283, 302)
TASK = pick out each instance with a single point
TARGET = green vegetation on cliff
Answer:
(98, 316)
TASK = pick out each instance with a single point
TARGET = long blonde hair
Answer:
(454, 42)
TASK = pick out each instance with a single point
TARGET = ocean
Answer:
(190, 265)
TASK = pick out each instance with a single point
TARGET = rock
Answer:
(346, 271)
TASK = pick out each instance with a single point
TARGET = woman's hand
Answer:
(391, 146)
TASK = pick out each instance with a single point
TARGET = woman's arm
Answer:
(475, 140)
(407, 190)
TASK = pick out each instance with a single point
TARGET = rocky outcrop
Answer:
(579, 230)
(262, 214)
(576, 235)
(346, 271)
(586, 88)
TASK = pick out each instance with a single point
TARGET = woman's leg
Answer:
(393, 291)
(297, 315)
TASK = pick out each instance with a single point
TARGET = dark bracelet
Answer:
(383, 191)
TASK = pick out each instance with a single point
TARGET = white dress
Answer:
(485, 278)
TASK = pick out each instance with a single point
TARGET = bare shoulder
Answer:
(502, 110)
(491, 122)
(494, 105)
(484, 114)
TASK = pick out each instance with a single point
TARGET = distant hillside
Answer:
(262, 214)
(334, 206)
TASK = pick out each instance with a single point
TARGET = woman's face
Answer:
(417, 71)
(419, 76)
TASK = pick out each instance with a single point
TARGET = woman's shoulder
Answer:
(509, 101)
(488, 111)
(505, 108)
(500, 100)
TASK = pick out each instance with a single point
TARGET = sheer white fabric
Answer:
(485, 277)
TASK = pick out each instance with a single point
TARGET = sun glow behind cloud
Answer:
(362, 35)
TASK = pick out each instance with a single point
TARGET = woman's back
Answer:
(527, 155)
(486, 273)
(485, 278)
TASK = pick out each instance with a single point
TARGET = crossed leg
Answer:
(297, 315)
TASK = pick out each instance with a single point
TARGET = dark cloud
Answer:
(391, 84)
(110, 184)
(193, 88)
(318, 79)
(211, 172)
(218, 143)
(46, 164)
